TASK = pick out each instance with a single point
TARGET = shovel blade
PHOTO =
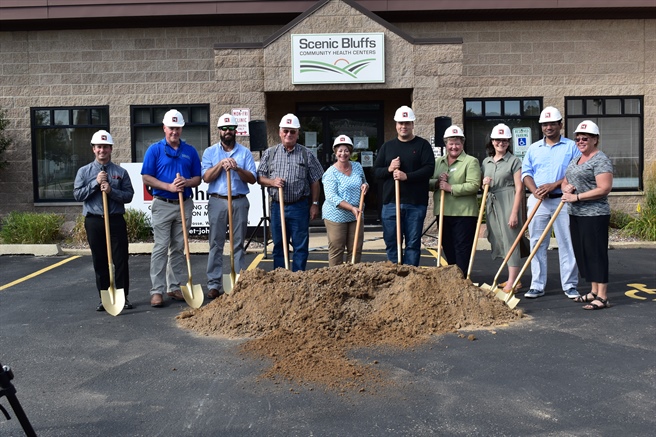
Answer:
(486, 287)
(193, 294)
(512, 301)
(229, 282)
(113, 300)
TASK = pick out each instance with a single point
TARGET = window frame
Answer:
(184, 109)
(35, 128)
(594, 117)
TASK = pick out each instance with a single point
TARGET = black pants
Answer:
(458, 240)
(590, 244)
(95, 227)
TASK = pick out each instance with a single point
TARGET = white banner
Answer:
(338, 58)
(142, 200)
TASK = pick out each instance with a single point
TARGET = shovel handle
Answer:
(517, 240)
(397, 192)
(230, 231)
(478, 228)
(439, 229)
(547, 230)
(283, 226)
(358, 222)
(184, 231)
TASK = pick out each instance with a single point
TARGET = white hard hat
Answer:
(343, 140)
(102, 137)
(587, 127)
(501, 131)
(290, 120)
(404, 113)
(227, 120)
(173, 118)
(453, 131)
(550, 115)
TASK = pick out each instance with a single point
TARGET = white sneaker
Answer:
(572, 293)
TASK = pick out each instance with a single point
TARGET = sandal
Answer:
(595, 306)
(585, 298)
(519, 285)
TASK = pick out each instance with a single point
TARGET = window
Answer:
(481, 115)
(620, 121)
(61, 140)
(147, 127)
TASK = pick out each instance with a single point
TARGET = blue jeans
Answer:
(297, 221)
(412, 222)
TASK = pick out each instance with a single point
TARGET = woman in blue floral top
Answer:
(342, 184)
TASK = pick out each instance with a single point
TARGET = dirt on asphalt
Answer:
(306, 323)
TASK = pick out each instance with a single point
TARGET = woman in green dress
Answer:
(501, 171)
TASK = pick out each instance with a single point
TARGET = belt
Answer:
(302, 199)
(555, 195)
(219, 196)
(169, 200)
(96, 216)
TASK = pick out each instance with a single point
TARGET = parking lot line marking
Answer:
(30, 276)
(255, 262)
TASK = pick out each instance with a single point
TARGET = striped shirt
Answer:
(298, 168)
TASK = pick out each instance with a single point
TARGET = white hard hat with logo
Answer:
(173, 118)
(404, 113)
(102, 137)
(501, 132)
(290, 121)
(227, 120)
(453, 131)
(343, 140)
(587, 127)
(550, 115)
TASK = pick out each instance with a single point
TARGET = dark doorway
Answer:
(321, 123)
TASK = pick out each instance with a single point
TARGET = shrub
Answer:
(619, 219)
(31, 228)
(138, 223)
(644, 226)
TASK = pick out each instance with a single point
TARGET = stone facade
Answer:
(123, 67)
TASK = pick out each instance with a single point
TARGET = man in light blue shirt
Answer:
(543, 170)
(217, 160)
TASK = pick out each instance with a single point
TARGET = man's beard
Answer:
(229, 142)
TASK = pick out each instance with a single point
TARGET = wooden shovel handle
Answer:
(230, 230)
(283, 226)
(184, 231)
(547, 230)
(439, 229)
(358, 222)
(108, 239)
(397, 191)
(517, 240)
(478, 228)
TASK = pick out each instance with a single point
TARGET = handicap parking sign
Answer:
(521, 140)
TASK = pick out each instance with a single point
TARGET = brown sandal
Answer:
(595, 306)
(585, 298)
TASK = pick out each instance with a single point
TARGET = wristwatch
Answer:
(315, 203)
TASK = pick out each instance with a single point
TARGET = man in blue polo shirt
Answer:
(163, 162)
(543, 170)
(217, 160)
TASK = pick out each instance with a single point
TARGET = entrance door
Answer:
(363, 122)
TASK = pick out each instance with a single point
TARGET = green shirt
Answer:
(465, 180)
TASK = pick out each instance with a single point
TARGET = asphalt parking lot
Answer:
(562, 371)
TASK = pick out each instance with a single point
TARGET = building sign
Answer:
(338, 58)
(243, 116)
(522, 138)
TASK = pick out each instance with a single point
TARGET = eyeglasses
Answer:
(230, 128)
(502, 141)
(582, 139)
(102, 146)
(289, 131)
(171, 152)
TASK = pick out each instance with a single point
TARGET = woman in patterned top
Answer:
(342, 184)
(588, 180)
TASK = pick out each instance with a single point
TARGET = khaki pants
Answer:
(340, 236)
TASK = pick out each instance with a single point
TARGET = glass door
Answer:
(363, 122)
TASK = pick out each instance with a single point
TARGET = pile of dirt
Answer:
(307, 322)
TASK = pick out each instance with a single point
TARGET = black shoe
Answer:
(100, 307)
(128, 305)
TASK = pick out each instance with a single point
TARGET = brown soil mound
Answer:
(306, 322)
